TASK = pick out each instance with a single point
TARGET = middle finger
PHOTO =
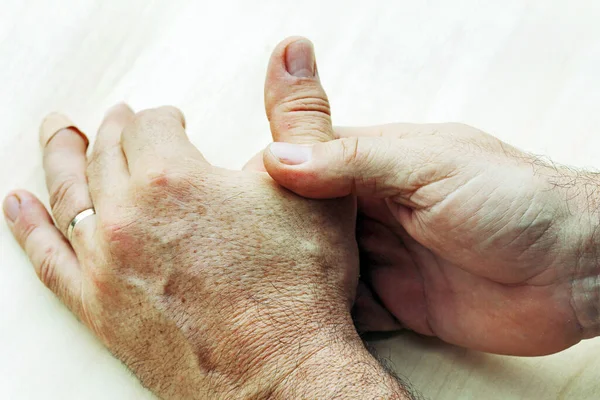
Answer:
(108, 173)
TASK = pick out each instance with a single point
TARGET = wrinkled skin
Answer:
(188, 272)
(205, 282)
(216, 254)
(462, 236)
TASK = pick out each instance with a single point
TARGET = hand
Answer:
(461, 235)
(205, 282)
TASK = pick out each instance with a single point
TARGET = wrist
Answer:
(330, 362)
(341, 368)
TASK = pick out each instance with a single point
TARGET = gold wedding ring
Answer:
(78, 218)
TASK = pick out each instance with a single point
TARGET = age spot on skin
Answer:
(170, 287)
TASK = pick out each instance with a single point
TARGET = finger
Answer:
(389, 269)
(108, 173)
(369, 314)
(375, 167)
(295, 102)
(53, 258)
(65, 164)
(154, 135)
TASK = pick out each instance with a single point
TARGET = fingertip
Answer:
(120, 108)
(283, 173)
(54, 123)
(300, 59)
(279, 51)
(292, 58)
(290, 153)
(24, 212)
(11, 207)
(305, 179)
(288, 164)
(291, 39)
(28, 202)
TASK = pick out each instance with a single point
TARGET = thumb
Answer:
(363, 166)
(296, 104)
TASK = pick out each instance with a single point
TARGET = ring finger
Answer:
(64, 147)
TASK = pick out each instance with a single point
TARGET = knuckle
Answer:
(458, 129)
(114, 231)
(366, 164)
(143, 121)
(457, 126)
(161, 183)
(163, 116)
(26, 230)
(301, 115)
(98, 158)
(172, 112)
(119, 232)
(145, 115)
(159, 177)
(352, 151)
(306, 102)
(46, 270)
(64, 189)
(149, 123)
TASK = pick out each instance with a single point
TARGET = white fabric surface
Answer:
(526, 71)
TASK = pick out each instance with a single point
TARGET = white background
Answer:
(526, 71)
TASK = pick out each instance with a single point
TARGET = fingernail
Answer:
(291, 154)
(12, 205)
(300, 59)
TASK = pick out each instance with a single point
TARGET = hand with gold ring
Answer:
(205, 282)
